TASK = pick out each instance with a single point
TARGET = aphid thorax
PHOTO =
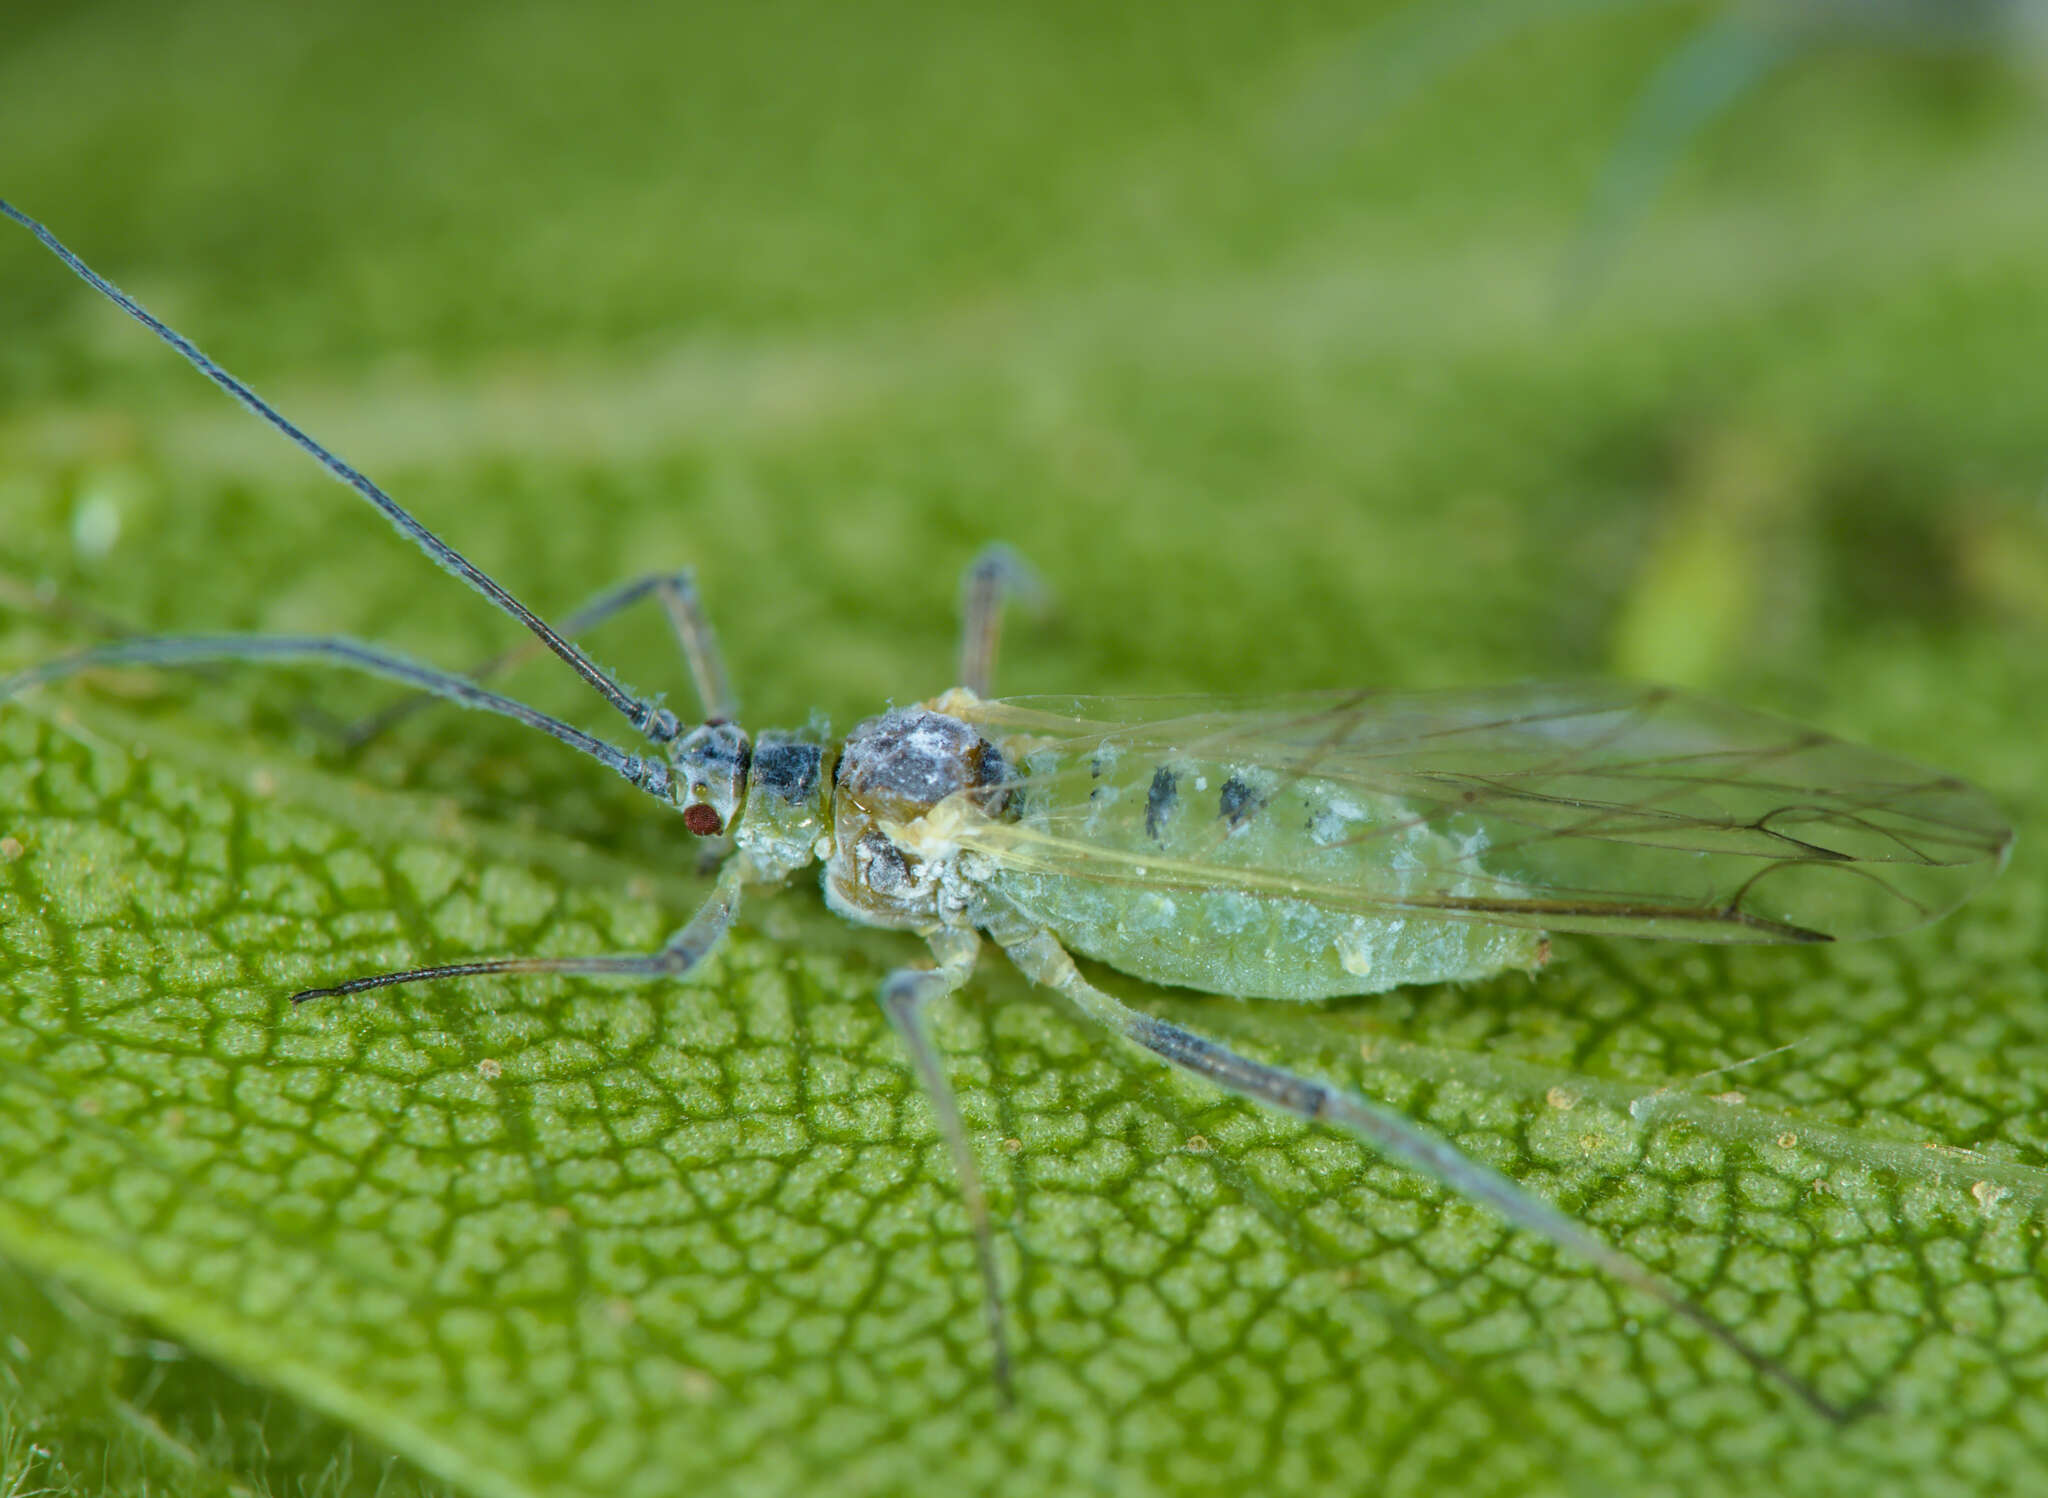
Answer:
(894, 772)
(786, 823)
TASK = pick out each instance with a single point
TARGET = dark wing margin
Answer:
(1592, 807)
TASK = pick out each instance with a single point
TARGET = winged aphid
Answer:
(1281, 848)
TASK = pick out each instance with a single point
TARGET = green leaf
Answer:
(819, 309)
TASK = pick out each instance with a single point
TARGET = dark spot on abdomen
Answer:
(1160, 802)
(1238, 802)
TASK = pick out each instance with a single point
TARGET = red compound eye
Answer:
(702, 820)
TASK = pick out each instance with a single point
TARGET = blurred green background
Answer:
(1296, 345)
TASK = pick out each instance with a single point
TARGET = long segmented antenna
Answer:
(652, 774)
(657, 723)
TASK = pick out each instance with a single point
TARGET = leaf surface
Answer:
(820, 306)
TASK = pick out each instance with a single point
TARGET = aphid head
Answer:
(711, 776)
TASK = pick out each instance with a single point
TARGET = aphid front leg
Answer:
(907, 996)
(678, 592)
(997, 572)
(682, 952)
(1041, 958)
(699, 645)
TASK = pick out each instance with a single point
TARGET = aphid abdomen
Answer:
(1258, 947)
(1188, 825)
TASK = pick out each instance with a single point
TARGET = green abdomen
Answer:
(1175, 846)
(1221, 941)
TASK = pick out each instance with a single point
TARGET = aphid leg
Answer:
(907, 995)
(997, 572)
(693, 634)
(1044, 960)
(699, 645)
(683, 951)
(649, 718)
(652, 774)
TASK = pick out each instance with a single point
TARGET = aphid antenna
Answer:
(657, 723)
(651, 773)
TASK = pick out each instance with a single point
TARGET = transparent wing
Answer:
(1591, 807)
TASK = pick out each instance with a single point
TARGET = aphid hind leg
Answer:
(678, 592)
(1041, 958)
(989, 578)
(907, 996)
(683, 951)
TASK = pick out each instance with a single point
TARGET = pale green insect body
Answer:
(1147, 819)
(1161, 866)
(1331, 843)
(1328, 844)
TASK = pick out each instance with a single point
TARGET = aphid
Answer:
(1286, 848)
